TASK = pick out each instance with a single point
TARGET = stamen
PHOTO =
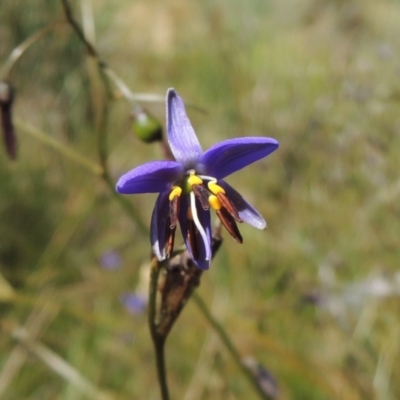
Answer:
(214, 202)
(208, 178)
(230, 224)
(214, 188)
(192, 238)
(170, 239)
(196, 219)
(174, 211)
(227, 204)
(202, 194)
(176, 191)
(194, 180)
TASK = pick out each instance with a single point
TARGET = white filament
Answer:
(197, 221)
(211, 179)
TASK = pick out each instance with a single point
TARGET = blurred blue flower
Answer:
(111, 260)
(193, 183)
(134, 303)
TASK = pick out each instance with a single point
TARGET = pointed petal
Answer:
(245, 210)
(204, 259)
(231, 155)
(158, 229)
(152, 177)
(181, 136)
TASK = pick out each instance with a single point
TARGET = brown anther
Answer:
(202, 194)
(230, 224)
(170, 239)
(174, 211)
(193, 238)
(227, 204)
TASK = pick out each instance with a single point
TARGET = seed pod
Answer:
(145, 126)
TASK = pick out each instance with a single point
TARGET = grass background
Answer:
(314, 298)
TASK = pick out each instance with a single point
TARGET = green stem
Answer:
(158, 340)
(101, 120)
(101, 124)
(229, 346)
(78, 30)
(161, 371)
(63, 149)
(18, 51)
(107, 71)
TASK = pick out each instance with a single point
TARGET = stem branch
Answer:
(252, 378)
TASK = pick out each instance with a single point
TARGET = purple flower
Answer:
(134, 303)
(111, 260)
(191, 185)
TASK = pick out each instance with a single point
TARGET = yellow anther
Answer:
(176, 191)
(194, 180)
(214, 202)
(214, 188)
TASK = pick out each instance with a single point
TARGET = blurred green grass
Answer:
(322, 77)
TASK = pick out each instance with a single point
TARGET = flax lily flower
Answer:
(193, 184)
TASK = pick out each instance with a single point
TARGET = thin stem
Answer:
(18, 51)
(161, 371)
(123, 88)
(106, 175)
(229, 346)
(66, 151)
(111, 75)
(101, 120)
(101, 130)
(158, 340)
(78, 30)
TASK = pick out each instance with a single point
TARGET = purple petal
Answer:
(152, 177)
(182, 139)
(158, 229)
(231, 155)
(246, 211)
(204, 260)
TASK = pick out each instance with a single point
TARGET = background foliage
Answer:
(314, 298)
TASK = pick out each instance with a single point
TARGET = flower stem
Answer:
(101, 127)
(229, 346)
(158, 340)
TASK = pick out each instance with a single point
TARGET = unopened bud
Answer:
(146, 127)
(6, 101)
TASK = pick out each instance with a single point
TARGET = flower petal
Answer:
(245, 210)
(158, 229)
(231, 155)
(204, 259)
(182, 139)
(152, 177)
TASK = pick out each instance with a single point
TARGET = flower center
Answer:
(205, 192)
